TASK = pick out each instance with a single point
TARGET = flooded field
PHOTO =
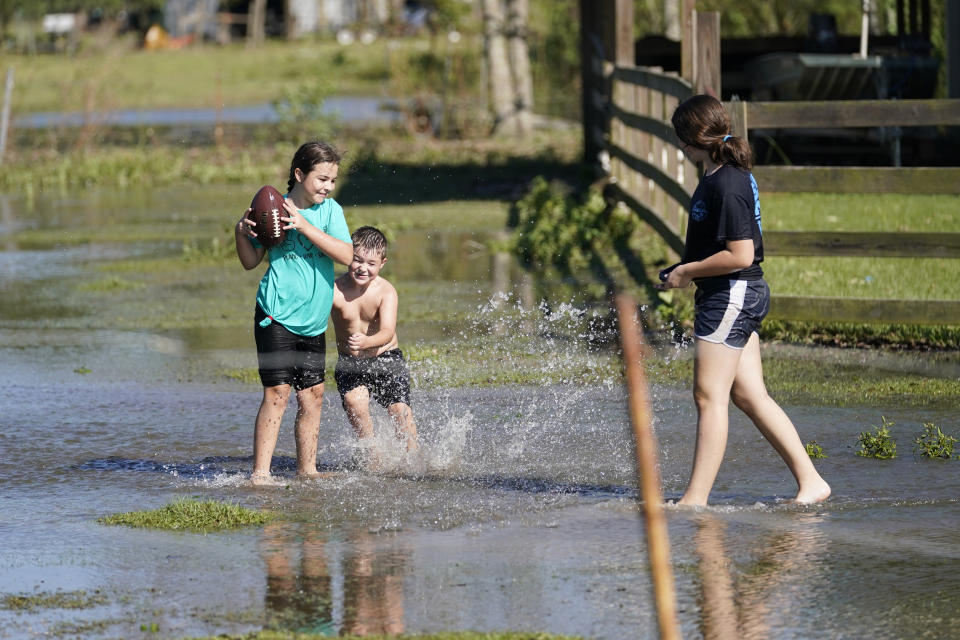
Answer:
(519, 513)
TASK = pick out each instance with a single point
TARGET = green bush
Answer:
(814, 450)
(933, 443)
(878, 443)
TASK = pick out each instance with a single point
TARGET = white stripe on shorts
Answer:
(738, 289)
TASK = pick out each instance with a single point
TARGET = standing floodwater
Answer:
(521, 513)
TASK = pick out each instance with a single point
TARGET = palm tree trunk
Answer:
(518, 12)
(495, 50)
(256, 17)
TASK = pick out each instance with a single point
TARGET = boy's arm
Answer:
(338, 250)
(387, 313)
(250, 256)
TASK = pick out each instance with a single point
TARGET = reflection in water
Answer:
(7, 221)
(301, 595)
(373, 588)
(740, 604)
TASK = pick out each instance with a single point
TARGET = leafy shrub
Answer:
(814, 450)
(300, 110)
(933, 443)
(878, 443)
(556, 230)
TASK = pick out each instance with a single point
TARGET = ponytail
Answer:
(733, 150)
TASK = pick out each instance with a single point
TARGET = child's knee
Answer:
(280, 393)
(356, 400)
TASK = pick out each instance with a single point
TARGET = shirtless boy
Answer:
(370, 362)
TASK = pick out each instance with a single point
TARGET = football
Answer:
(265, 211)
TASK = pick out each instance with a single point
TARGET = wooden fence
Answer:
(650, 175)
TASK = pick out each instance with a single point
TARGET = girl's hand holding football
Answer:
(245, 225)
(293, 218)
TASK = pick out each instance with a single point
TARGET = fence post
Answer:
(688, 41)
(5, 117)
(737, 109)
(591, 52)
(707, 65)
(624, 46)
(953, 48)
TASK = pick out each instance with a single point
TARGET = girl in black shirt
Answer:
(724, 249)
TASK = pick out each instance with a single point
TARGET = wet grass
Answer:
(812, 382)
(192, 515)
(52, 600)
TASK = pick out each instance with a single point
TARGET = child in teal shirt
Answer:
(293, 304)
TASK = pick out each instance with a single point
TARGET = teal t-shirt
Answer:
(297, 288)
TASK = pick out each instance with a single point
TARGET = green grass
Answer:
(120, 75)
(888, 278)
(859, 212)
(851, 277)
(811, 381)
(187, 514)
(52, 600)
(891, 278)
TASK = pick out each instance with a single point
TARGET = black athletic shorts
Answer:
(386, 377)
(284, 357)
(728, 312)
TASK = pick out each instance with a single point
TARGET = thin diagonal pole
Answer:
(648, 469)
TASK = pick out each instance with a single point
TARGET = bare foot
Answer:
(687, 505)
(315, 475)
(261, 479)
(817, 492)
(686, 501)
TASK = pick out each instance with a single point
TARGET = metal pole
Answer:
(648, 471)
(5, 117)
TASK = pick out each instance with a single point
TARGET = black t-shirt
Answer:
(725, 207)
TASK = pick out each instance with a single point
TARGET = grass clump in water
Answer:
(814, 450)
(187, 514)
(933, 443)
(878, 443)
(55, 600)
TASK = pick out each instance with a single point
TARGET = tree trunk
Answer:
(671, 20)
(518, 12)
(290, 27)
(495, 51)
(256, 17)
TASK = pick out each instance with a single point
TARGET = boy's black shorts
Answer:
(284, 357)
(386, 377)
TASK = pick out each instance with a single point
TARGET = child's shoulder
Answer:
(386, 286)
